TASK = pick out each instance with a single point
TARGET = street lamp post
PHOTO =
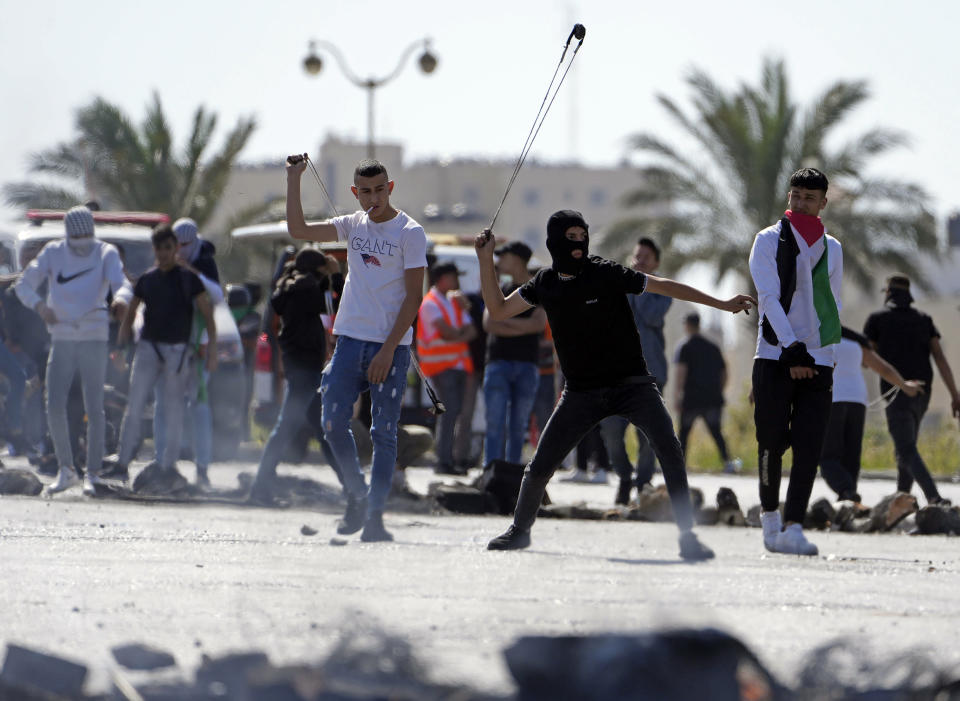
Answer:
(312, 64)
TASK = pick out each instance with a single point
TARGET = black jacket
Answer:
(205, 263)
(299, 300)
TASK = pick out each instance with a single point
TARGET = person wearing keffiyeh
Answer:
(797, 268)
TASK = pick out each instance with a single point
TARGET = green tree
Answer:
(708, 205)
(129, 168)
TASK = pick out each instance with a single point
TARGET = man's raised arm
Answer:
(493, 299)
(296, 224)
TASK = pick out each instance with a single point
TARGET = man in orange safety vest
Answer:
(444, 328)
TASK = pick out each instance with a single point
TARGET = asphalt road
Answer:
(82, 575)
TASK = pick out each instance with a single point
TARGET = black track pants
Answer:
(579, 411)
(789, 414)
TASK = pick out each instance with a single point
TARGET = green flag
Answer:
(824, 302)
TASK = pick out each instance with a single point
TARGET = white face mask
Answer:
(188, 251)
(81, 245)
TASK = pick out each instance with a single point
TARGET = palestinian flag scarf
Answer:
(811, 230)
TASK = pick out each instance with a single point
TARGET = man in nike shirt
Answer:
(79, 273)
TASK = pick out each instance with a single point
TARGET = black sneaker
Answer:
(48, 465)
(352, 520)
(623, 493)
(373, 529)
(512, 539)
(112, 469)
(692, 549)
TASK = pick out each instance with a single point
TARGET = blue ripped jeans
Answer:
(343, 381)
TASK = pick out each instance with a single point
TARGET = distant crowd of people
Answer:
(68, 324)
(565, 358)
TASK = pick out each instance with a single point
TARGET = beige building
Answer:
(457, 196)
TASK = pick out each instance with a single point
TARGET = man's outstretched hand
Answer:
(740, 303)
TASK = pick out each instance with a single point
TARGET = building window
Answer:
(598, 198)
(531, 197)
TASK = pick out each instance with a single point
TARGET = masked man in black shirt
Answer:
(585, 298)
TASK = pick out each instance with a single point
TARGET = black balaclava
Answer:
(561, 247)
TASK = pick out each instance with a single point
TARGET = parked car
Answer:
(130, 233)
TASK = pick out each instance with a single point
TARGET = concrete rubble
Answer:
(495, 492)
(21, 482)
(142, 657)
(367, 664)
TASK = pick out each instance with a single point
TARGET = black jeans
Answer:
(840, 459)
(903, 420)
(301, 384)
(711, 417)
(789, 414)
(451, 385)
(576, 414)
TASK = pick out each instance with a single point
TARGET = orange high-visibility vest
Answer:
(435, 353)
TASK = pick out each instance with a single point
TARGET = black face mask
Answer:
(898, 297)
(560, 247)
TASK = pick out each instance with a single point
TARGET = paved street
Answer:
(82, 575)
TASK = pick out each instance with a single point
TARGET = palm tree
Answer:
(137, 169)
(707, 207)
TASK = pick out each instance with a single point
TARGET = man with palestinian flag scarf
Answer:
(797, 268)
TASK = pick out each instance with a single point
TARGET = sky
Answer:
(495, 60)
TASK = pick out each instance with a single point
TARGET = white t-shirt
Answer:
(430, 314)
(848, 382)
(377, 256)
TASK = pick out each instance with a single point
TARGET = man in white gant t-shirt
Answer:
(386, 255)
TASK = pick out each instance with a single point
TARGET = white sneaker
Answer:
(67, 478)
(772, 525)
(599, 477)
(792, 541)
(90, 482)
(577, 475)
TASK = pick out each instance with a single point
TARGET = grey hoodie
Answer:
(77, 288)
